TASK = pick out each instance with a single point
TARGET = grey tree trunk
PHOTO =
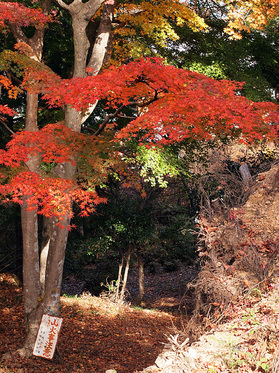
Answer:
(54, 268)
(125, 277)
(29, 223)
(73, 118)
(31, 262)
(245, 175)
(119, 278)
(141, 279)
(33, 302)
(47, 233)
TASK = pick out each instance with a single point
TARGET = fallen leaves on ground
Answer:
(96, 334)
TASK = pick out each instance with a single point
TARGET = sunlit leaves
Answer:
(11, 89)
(56, 144)
(5, 110)
(51, 196)
(173, 103)
(249, 14)
(156, 164)
(21, 15)
(156, 21)
(168, 105)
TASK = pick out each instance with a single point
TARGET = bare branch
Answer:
(117, 112)
(7, 127)
(143, 104)
(107, 119)
(126, 117)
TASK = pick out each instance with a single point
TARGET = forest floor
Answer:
(98, 335)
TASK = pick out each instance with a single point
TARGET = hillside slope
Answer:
(236, 294)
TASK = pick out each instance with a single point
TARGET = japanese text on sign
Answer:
(47, 336)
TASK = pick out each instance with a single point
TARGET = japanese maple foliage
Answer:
(50, 194)
(173, 104)
(21, 15)
(5, 110)
(181, 103)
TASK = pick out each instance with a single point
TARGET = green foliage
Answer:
(157, 225)
(176, 242)
(123, 221)
(157, 164)
(262, 363)
(215, 70)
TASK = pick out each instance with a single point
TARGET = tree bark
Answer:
(102, 48)
(31, 274)
(31, 263)
(55, 263)
(45, 241)
(245, 175)
(103, 43)
(29, 219)
(119, 278)
(141, 279)
(55, 237)
(125, 277)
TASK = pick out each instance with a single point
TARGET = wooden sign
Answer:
(47, 336)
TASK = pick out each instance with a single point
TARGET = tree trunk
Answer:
(31, 277)
(245, 175)
(31, 274)
(102, 48)
(31, 263)
(46, 235)
(29, 219)
(19, 245)
(125, 278)
(55, 237)
(141, 279)
(103, 44)
(119, 278)
(55, 263)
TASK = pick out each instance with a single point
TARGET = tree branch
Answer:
(100, 48)
(7, 127)
(18, 34)
(91, 7)
(102, 40)
(143, 104)
(126, 117)
(107, 119)
(116, 113)
(62, 4)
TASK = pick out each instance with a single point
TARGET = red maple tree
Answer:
(176, 104)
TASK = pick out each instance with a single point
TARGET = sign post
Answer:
(47, 336)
